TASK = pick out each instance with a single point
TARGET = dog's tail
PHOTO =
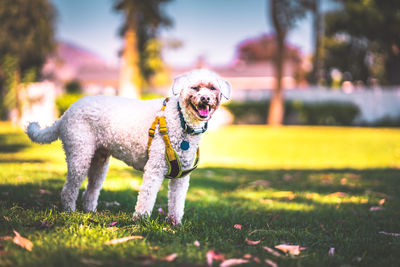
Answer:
(45, 135)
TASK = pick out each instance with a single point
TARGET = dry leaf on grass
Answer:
(111, 204)
(252, 242)
(291, 249)
(170, 257)
(123, 239)
(233, 262)
(91, 262)
(213, 255)
(273, 218)
(271, 263)
(45, 192)
(161, 211)
(272, 251)
(112, 224)
(331, 252)
(262, 183)
(391, 234)
(22, 241)
(238, 226)
(375, 208)
(112, 228)
(382, 201)
(6, 219)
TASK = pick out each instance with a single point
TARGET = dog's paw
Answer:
(174, 221)
(138, 217)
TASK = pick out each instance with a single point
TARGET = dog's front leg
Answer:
(152, 180)
(176, 198)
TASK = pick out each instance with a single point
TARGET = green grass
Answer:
(279, 184)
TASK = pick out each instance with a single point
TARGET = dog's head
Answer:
(200, 93)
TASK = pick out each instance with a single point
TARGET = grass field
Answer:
(317, 187)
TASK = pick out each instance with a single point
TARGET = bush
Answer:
(296, 112)
(73, 87)
(65, 101)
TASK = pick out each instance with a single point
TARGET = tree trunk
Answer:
(129, 84)
(316, 72)
(276, 108)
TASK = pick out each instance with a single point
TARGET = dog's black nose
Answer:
(205, 99)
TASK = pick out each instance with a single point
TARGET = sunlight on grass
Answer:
(300, 147)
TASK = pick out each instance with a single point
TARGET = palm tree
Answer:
(284, 14)
(142, 20)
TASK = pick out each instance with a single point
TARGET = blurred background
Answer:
(299, 62)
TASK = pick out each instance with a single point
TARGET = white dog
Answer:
(97, 127)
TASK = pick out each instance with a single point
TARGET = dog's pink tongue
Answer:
(203, 112)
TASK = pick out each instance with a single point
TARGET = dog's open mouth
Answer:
(202, 110)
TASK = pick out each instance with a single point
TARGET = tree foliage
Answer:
(361, 36)
(264, 48)
(26, 38)
(27, 32)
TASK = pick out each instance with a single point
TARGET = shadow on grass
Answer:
(13, 142)
(218, 198)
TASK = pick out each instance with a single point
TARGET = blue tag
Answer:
(185, 145)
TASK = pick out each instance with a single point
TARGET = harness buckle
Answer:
(163, 130)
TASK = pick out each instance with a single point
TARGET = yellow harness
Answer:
(174, 164)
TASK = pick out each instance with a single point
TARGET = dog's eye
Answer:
(196, 88)
(212, 88)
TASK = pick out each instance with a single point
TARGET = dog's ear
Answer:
(225, 88)
(178, 85)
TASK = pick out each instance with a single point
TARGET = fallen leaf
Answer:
(343, 181)
(331, 252)
(376, 208)
(213, 255)
(273, 218)
(112, 228)
(338, 194)
(247, 256)
(233, 262)
(382, 201)
(251, 242)
(271, 263)
(262, 183)
(287, 177)
(238, 226)
(196, 243)
(170, 258)
(123, 239)
(91, 262)
(45, 192)
(161, 211)
(111, 204)
(6, 219)
(256, 259)
(112, 224)
(391, 234)
(291, 249)
(272, 251)
(22, 241)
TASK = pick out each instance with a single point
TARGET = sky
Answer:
(208, 28)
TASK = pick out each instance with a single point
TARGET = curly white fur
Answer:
(96, 127)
